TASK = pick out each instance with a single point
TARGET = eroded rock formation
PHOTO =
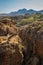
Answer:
(10, 55)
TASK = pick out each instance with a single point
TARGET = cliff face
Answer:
(32, 38)
(39, 44)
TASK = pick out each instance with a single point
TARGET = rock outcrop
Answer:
(32, 39)
(10, 54)
(21, 45)
(7, 27)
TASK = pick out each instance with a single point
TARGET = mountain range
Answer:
(22, 12)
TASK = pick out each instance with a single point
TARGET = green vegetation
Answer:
(22, 20)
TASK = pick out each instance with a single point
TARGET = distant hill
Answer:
(25, 11)
(22, 12)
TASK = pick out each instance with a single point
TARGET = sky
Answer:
(7, 6)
